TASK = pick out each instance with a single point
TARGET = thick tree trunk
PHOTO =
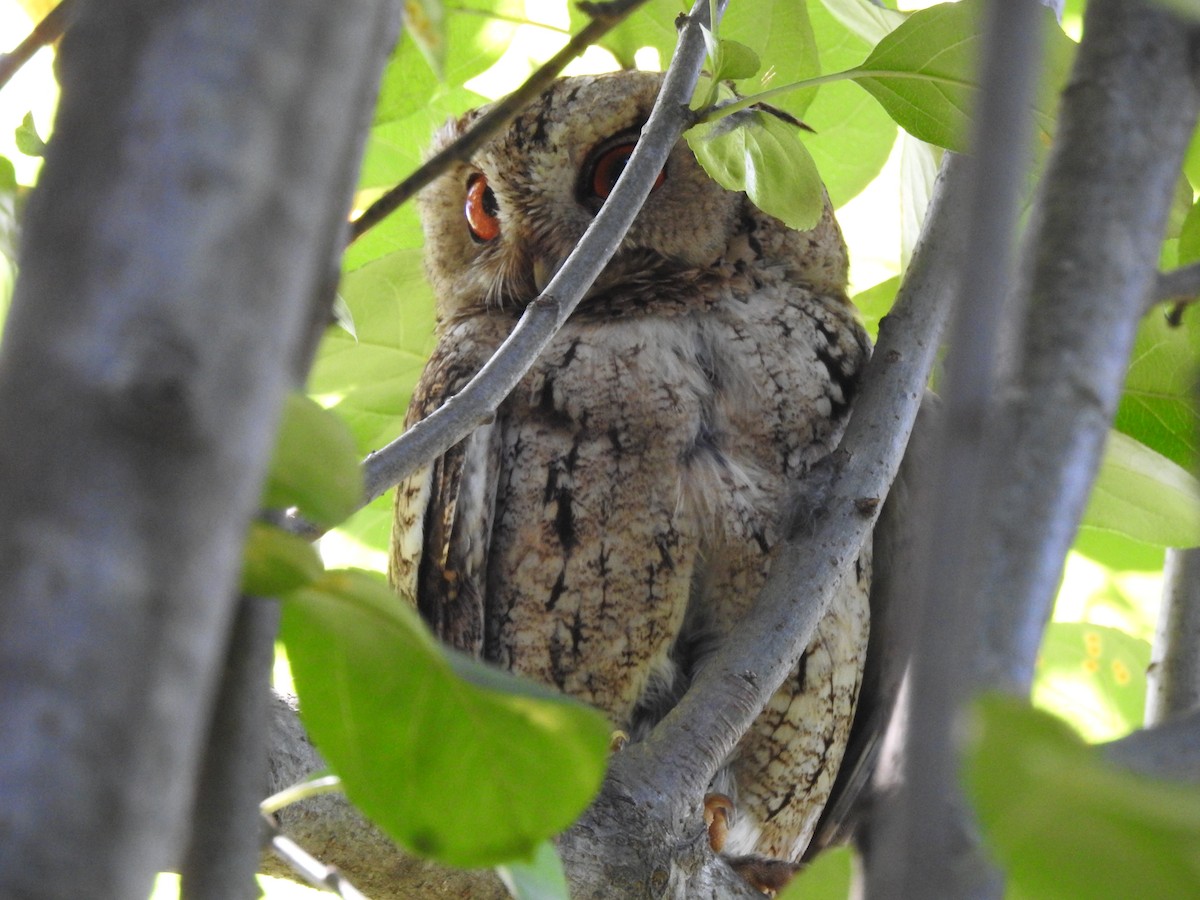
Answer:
(192, 204)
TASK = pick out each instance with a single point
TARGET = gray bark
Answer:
(192, 199)
(927, 847)
(1090, 263)
(222, 855)
(1173, 680)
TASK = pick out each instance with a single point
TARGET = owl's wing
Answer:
(443, 518)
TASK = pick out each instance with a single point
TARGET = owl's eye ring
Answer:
(481, 209)
(607, 168)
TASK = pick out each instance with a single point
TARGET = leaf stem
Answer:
(712, 113)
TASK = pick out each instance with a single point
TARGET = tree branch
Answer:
(1125, 121)
(1170, 749)
(222, 854)
(186, 212)
(45, 32)
(926, 843)
(1173, 679)
(1182, 284)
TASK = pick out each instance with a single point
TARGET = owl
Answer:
(613, 523)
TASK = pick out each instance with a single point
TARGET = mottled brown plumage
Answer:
(616, 519)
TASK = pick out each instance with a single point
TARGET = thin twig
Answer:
(308, 866)
(605, 17)
(1180, 285)
(44, 32)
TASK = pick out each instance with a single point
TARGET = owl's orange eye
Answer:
(609, 166)
(481, 209)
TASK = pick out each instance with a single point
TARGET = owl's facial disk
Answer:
(498, 229)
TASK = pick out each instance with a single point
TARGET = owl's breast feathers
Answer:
(637, 468)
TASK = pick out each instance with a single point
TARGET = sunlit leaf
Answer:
(1094, 677)
(853, 133)
(28, 141)
(541, 878)
(1116, 551)
(777, 31)
(781, 34)
(919, 164)
(825, 878)
(650, 25)
(737, 61)
(1189, 237)
(1143, 494)
(315, 466)
(875, 302)
(870, 22)
(276, 561)
(476, 33)
(425, 22)
(1064, 823)
(1158, 407)
(760, 154)
(924, 73)
(472, 771)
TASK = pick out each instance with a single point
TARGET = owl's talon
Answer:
(766, 875)
(718, 813)
(617, 741)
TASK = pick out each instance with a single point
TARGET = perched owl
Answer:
(615, 521)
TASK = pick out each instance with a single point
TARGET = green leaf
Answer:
(760, 154)
(276, 561)
(924, 73)
(777, 31)
(651, 25)
(1158, 407)
(781, 34)
(315, 466)
(869, 22)
(919, 163)
(476, 33)
(875, 302)
(541, 878)
(8, 176)
(369, 380)
(825, 878)
(467, 774)
(737, 61)
(1189, 237)
(853, 133)
(1144, 495)
(1094, 677)
(1118, 552)
(1064, 823)
(425, 21)
(28, 140)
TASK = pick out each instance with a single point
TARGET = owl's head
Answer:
(497, 228)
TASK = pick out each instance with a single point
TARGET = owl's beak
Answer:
(543, 271)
